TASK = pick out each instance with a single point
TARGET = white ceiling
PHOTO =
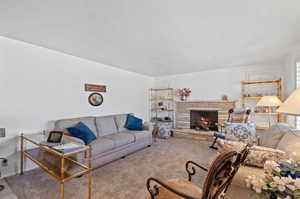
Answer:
(158, 37)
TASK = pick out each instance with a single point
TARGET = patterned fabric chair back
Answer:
(238, 115)
(221, 173)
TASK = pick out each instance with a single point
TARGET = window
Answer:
(298, 84)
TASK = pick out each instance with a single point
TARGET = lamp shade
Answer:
(269, 101)
(291, 106)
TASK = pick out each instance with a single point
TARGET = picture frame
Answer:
(95, 99)
(55, 137)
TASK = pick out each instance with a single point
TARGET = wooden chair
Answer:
(218, 179)
(234, 116)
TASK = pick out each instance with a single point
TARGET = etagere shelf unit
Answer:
(162, 106)
(251, 96)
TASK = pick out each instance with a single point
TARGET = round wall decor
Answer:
(95, 99)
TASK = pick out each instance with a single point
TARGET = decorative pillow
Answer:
(289, 139)
(242, 132)
(82, 132)
(272, 136)
(134, 123)
(258, 155)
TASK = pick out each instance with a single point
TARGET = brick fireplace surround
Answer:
(183, 110)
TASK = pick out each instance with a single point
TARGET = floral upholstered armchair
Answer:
(237, 128)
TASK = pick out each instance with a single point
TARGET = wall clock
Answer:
(95, 99)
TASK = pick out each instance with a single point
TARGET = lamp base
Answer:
(2, 187)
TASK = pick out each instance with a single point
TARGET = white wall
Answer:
(213, 84)
(39, 85)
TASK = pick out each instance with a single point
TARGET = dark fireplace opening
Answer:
(204, 120)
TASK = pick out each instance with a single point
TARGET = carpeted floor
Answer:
(124, 178)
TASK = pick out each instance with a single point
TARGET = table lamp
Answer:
(291, 105)
(269, 101)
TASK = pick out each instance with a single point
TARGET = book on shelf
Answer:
(69, 147)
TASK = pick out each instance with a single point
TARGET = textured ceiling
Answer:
(158, 37)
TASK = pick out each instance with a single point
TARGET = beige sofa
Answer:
(113, 141)
(278, 138)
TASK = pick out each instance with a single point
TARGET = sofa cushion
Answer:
(289, 141)
(134, 123)
(66, 123)
(272, 136)
(82, 132)
(102, 145)
(140, 135)
(121, 139)
(106, 125)
(121, 122)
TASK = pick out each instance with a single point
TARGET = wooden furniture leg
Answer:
(22, 155)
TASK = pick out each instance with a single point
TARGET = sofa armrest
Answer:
(68, 138)
(148, 126)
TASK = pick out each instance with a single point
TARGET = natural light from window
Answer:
(298, 84)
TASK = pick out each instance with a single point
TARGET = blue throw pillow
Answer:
(134, 123)
(82, 132)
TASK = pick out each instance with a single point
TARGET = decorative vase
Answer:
(182, 98)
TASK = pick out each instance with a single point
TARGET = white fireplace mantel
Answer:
(204, 109)
(183, 110)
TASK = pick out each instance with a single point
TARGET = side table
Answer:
(59, 172)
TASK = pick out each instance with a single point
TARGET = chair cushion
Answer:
(134, 123)
(242, 132)
(181, 185)
(102, 145)
(272, 136)
(243, 173)
(121, 139)
(66, 123)
(289, 141)
(121, 122)
(106, 125)
(141, 135)
(82, 132)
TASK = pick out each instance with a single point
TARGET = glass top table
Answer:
(62, 166)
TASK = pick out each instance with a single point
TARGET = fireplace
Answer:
(204, 120)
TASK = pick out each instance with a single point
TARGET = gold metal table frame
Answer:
(59, 173)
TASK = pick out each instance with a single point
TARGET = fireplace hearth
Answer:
(204, 120)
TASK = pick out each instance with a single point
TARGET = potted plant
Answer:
(184, 93)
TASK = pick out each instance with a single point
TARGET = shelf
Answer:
(261, 128)
(157, 110)
(252, 97)
(162, 89)
(162, 99)
(261, 82)
(163, 121)
(263, 113)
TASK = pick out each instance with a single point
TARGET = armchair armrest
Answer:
(191, 170)
(154, 191)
